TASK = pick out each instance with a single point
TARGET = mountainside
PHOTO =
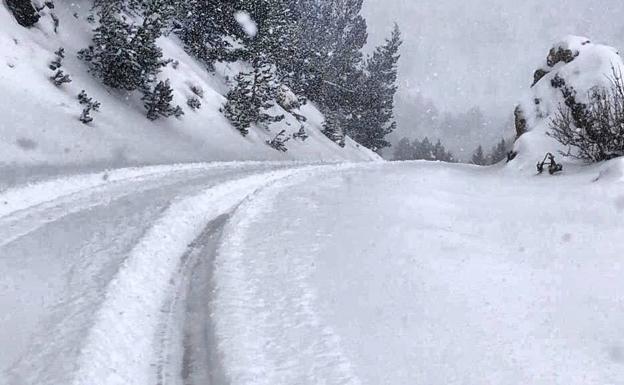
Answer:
(39, 122)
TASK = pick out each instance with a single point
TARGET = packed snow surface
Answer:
(423, 273)
(404, 273)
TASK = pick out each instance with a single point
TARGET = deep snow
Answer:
(400, 273)
(421, 273)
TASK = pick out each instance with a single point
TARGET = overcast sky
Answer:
(462, 53)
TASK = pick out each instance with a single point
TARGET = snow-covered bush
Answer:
(89, 104)
(58, 60)
(59, 78)
(194, 103)
(198, 91)
(279, 141)
(301, 134)
(592, 131)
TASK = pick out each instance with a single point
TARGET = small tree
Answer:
(194, 103)
(158, 102)
(198, 91)
(58, 61)
(89, 104)
(301, 134)
(59, 78)
(499, 152)
(279, 141)
(594, 131)
(252, 96)
(478, 158)
(404, 150)
(332, 128)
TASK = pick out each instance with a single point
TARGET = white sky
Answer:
(462, 53)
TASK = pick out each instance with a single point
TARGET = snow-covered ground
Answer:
(423, 273)
(265, 273)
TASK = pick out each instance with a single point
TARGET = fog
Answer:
(466, 53)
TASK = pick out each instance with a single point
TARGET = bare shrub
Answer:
(592, 131)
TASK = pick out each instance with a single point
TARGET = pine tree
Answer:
(478, 158)
(111, 56)
(251, 98)
(279, 141)
(332, 128)
(301, 134)
(194, 103)
(204, 27)
(158, 101)
(499, 152)
(377, 99)
(59, 78)
(89, 105)
(404, 150)
(58, 60)
(123, 55)
(238, 109)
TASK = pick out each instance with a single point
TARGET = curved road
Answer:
(66, 243)
(275, 273)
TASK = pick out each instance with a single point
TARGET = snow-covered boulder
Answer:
(574, 63)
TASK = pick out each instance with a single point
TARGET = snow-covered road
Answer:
(264, 273)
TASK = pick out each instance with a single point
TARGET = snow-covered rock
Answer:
(39, 122)
(581, 65)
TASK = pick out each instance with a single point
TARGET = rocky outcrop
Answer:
(558, 54)
(571, 72)
(24, 12)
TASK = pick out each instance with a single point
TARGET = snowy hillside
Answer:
(575, 62)
(39, 121)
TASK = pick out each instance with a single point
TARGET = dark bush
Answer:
(592, 131)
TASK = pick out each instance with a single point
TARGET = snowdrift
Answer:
(39, 122)
(582, 65)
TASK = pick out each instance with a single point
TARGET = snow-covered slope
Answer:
(583, 65)
(39, 122)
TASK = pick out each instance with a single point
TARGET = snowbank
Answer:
(39, 121)
(582, 65)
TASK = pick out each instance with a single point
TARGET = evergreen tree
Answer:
(301, 134)
(332, 128)
(478, 158)
(279, 141)
(58, 60)
(422, 150)
(251, 98)
(194, 103)
(158, 102)
(204, 27)
(377, 99)
(404, 150)
(126, 56)
(499, 152)
(89, 105)
(59, 78)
